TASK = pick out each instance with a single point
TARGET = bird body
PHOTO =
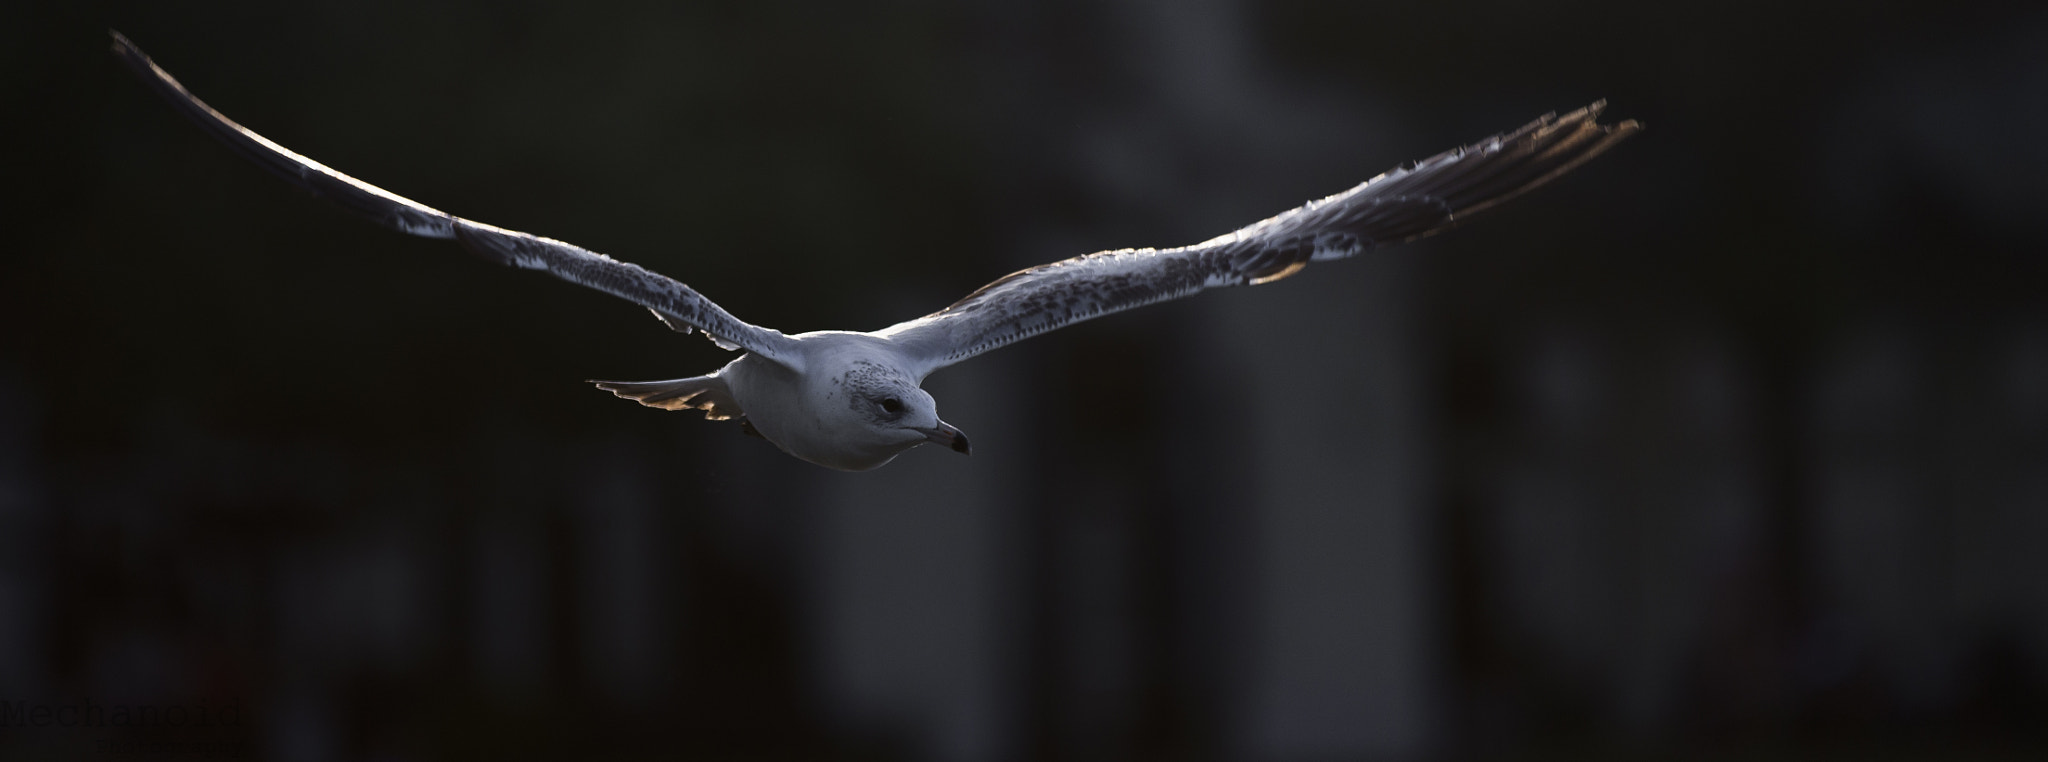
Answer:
(852, 401)
(844, 400)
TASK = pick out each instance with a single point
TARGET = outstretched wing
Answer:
(678, 305)
(1401, 205)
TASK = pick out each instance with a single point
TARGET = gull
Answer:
(852, 400)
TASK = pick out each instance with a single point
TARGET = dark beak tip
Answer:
(961, 446)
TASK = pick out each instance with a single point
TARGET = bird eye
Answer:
(893, 405)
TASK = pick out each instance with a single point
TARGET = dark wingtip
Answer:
(125, 49)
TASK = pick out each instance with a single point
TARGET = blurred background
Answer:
(1732, 444)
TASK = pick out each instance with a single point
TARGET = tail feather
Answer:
(706, 393)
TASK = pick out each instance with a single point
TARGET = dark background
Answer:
(1732, 444)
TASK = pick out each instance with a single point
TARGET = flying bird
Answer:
(852, 400)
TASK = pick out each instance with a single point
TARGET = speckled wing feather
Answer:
(677, 305)
(1401, 205)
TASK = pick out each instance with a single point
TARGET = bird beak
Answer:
(946, 436)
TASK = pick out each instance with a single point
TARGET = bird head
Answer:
(883, 412)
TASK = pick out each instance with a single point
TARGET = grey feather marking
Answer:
(1407, 203)
(678, 305)
(866, 383)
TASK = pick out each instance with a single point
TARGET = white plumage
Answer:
(852, 401)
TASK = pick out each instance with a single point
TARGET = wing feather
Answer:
(1401, 205)
(677, 305)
